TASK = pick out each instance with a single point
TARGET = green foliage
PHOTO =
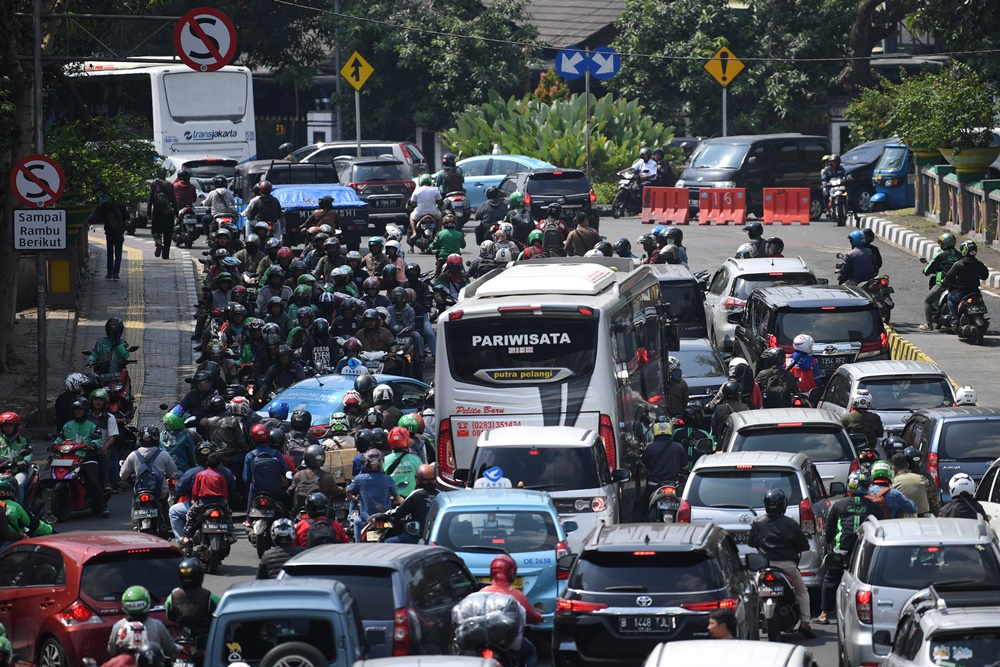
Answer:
(550, 87)
(605, 191)
(556, 132)
(870, 112)
(102, 157)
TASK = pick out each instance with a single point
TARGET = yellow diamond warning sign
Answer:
(724, 66)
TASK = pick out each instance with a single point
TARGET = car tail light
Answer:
(607, 433)
(863, 605)
(357, 187)
(807, 520)
(401, 632)
(562, 550)
(409, 185)
(527, 199)
(446, 451)
(871, 346)
(76, 614)
(787, 424)
(855, 465)
(683, 512)
(593, 197)
(932, 469)
(732, 303)
(579, 606)
(772, 340)
(406, 153)
(710, 605)
(143, 497)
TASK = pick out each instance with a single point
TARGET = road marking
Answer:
(903, 350)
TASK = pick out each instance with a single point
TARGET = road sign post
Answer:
(356, 71)
(724, 66)
(205, 39)
(572, 63)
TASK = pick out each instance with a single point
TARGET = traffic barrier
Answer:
(722, 205)
(786, 205)
(664, 205)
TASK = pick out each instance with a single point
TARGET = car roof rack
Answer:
(946, 595)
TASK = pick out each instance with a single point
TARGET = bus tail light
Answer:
(607, 433)
(446, 451)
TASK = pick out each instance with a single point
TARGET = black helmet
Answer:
(219, 181)
(364, 440)
(284, 351)
(184, 175)
(216, 405)
(895, 445)
(913, 458)
(694, 415)
(604, 248)
(772, 357)
(191, 573)
(149, 436)
(80, 403)
(276, 438)
(316, 505)
(658, 151)
(868, 234)
(369, 314)
(285, 148)
(676, 234)
(372, 418)
(364, 384)
(448, 159)
(114, 328)
(731, 389)
(314, 456)
(149, 655)
(301, 419)
(381, 438)
(202, 452)
(398, 294)
(492, 192)
(775, 502)
(623, 247)
(389, 272)
(754, 229)
(412, 270)
(645, 153)
(554, 209)
(775, 241)
(646, 240)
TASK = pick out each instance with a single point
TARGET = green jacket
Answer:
(21, 522)
(85, 431)
(11, 449)
(107, 350)
(447, 242)
(941, 262)
(405, 472)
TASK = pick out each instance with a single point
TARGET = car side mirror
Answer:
(570, 527)
(755, 562)
(735, 318)
(621, 475)
(822, 281)
(461, 476)
(413, 528)
(882, 637)
(837, 489)
(751, 161)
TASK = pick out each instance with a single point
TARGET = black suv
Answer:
(636, 585)
(382, 182)
(541, 187)
(685, 295)
(843, 321)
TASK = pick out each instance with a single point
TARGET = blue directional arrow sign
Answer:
(604, 62)
(571, 63)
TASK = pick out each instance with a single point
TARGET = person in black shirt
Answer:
(664, 458)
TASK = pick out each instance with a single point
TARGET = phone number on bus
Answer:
(467, 429)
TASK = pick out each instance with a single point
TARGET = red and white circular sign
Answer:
(37, 181)
(205, 39)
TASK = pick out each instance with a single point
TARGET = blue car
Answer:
(482, 171)
(480, 524)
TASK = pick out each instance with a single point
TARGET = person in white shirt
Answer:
(645, 166)
(425, 199)
(219, 201)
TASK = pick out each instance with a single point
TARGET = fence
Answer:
(972, 207)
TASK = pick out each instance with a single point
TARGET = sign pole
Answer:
(586, 81)
(724, 119)
(336, 54)
(36, 19)
(357, 119)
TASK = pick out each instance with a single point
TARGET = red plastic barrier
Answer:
(722, 205)
(786, 205)
(664, 206)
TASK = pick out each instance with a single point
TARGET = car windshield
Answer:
(745, 487)
(967, 648)
(378, 172)
(830, 326)
(254, 638)
(685, 306)
(700, 363)
(821, 445)
(916, 567)
(866, 153)
(719, 156)
(210, 168)
(558, 183)
(744, 286)
(370, 586)
(893, 158)
(671, 572)
(968, 440)
(511, 531)
(905, 393)
(106, 577)
(542, 468)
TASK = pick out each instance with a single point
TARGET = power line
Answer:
(648, 56)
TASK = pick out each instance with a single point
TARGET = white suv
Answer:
(404, 151)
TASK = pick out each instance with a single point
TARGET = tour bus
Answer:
(548, 342)
(179, 110)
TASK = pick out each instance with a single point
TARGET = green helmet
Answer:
(425, 179)
(8, 487)
(516, 199)
(307, 279)
(3, 631)
(303, 291)
(136, 601)
(225, 275)
(173, 422)
(5, 648)
(882, 470)
(99, 393)
(339, 422)
(409, 422)
(536, 235)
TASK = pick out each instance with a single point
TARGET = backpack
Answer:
(162, 203)
(879, 499)
(308, 484)
(776, 391)
(320, 532)
(269, 474)
(452, 182)
(148, 477)
(551, 236)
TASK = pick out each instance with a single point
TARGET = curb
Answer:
(911, 241)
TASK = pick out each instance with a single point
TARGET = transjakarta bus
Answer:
(176, 108)
(550, 342)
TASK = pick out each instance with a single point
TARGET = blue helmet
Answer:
(278, 410)
(857, 238)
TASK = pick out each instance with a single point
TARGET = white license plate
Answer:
(771, 591)
(62, 463)
(386, 203)
(261, 514)
(372, 537)
(215, 528)
(145, 514)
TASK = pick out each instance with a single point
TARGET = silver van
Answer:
(715, 653)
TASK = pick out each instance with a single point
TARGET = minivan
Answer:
(755, 162)
(685, 295)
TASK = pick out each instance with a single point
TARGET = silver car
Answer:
(728, 490)
(891, 561)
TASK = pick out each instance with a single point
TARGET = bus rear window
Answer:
(520, 351)
(207, 96)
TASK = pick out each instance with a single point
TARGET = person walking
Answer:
(112, 216)
(162, 209)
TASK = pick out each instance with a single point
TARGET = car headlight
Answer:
(680, 184)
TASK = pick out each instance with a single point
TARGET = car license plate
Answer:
(62, 463)
(215, 528)
(146, 513)
(261, 514)
(740, 536)
(640, 624)
(692, 203)
(771, 591)
(518, 582)
(386, 203)
(832, 362)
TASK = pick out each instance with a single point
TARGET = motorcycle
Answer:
(489, 625)
(188, 653)
(65, 479)
(186, 227)
(265, 509)
(837, 199)
(211, 541)
(121, 402)
(250, 382)
(973, 322)
(779, 610)
(147, 514)
(427, 229)
(628, 199)
(31, 493)
(381, 527)
(456, 204)
(880, 290)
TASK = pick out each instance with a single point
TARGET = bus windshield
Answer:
(521, 350)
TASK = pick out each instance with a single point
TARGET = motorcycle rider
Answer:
(299, 437)
(936, 269)
(277, 314)
(623, 248)
(869, 237)
(490, 213)
(554, 230)
(861, 420)
(312, 478)
(896, 504)
(519, 218)
(450, 178)
(264, 468)
(582, 239)
(148, 452)
(963, 504)
(803, 365)
(775, 393)
(265, 207)
(178, 511)
(830, 171)
(76, 385)
(665, 176)
(177, 441)
(677, 388)
(859, 264)
(185, 194)
(417, 504)
(16, 523)
(503, 573)
(81, 429)
(136, 603)
(376, 338)
(272, 560)
(191, 605)
(688, 431)
(402, 316)
(317, 512)
(913, 485)
(210, 489)
(448, 241)
(649, 247)
(219, 201)
(963, 278)
(251, 256)
(16, 449)
(731, 403)
(645, 168)
(283, 374)
(755, 231)
(782, 541)
(401, 464)
(746, 251)
(376, 259)
(774, 246)
(373, 490)
(664, 458)
(425, 200)
(111, 349)
(225, 431)
(965, 395)
(672, 236)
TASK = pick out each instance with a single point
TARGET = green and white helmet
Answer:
(425, 179)
(136, 601)
(339, 422)
(882, 470)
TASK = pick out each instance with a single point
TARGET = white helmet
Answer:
(383, 313)
(862, 400)
(593, 253)
(75, 382)
(394, 233)
(283, 529)
(381, 393)
(961, 483)
(735, 363)
(487, 247)
(393, 243)
(803, 343)
(503, 256)
(674, 363)
(965, 395)
(746, 251)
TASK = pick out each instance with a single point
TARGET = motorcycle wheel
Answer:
(774, 627)
(61, 505)
(840, 212)
(964, 323)
(618, 206)
(886, 315)
(214, 559)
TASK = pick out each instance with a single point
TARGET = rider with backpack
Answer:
(312, 479)
(554, 231)
(776, 384)
(264, 468)
(151, 466)
(376, 491)
(299, 437)
(892, 501)
(318, 528)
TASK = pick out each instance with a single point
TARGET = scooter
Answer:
(837, 199)
(628, 199)
(779, 610)
(880, 290)
(456, 204)
(186, 227)
(32, 500)
(973, 322)
(427, 228)
(211, 542)
(65, 478)
(147, 514)
(265, 509)
(381, 527)
(490, 626)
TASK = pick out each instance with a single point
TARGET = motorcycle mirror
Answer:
(837, 489)
(413, 528)
(85, 353)
(164, 406)
(840, 255)
(133, 348)
(859, 440)
(823, 281)
(205, 253)
(922, 260)
(756, 562)
(704, 446)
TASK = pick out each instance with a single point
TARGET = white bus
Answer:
(179, 110)
(546, 343)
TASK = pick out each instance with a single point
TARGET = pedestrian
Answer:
(583, 238)
(112, 215)
(162, 210)
(722, 624)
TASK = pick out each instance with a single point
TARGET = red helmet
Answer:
(454, 259)
(503, 570)
(370, 283)
(399, 438)
(265, 187)
(353, 344)
(259, 434)
(351, 397)
(284, 252)
(239, 289)
(11, 418)
(421, 426)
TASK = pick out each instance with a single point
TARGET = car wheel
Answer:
(815, 207)
(51, 654)
(863, 200)
(294, 654)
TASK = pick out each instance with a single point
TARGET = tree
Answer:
(550, 87)
(874, 20)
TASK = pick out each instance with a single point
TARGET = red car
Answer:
(60, 595)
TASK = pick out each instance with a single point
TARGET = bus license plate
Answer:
(641, 624)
